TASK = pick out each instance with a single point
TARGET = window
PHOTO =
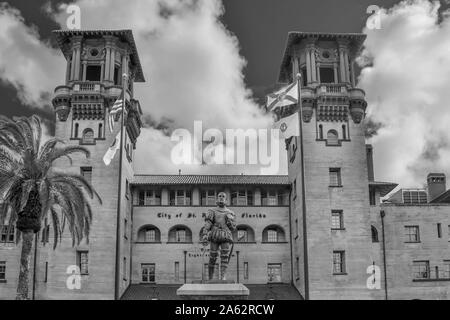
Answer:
(7, 234)
(83, 261)
(177, 271)
(421, 269)
(297, 267)
(338, 262)
(86, 172)
(125, 228)
(242, 197)
(304, 78)
(273, 234)
(294, 188)
(439, 230)
(372, 198)
(93, 73)
(88, 136)
(75, 134)
(208, 197)
(320, 132)
(374, 234)
(149, 233)
(344, 132)
(2, 270)
(412, 234)
(127, 188)
(244, 234)
(150, 198)
(326, 75)
(124, 268)
(446, 272)
(117, 75)
(180, 234)
(274, 272)
(148, 272)
(246, 270)
(414, 196)
(269, 197)
(335, 177)
(46, 271)
(337, 220)
(100, 130)
(180, 198)
(332, 138)
(293, 148)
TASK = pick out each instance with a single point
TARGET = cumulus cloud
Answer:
(407, 89)
(193, 70)
(27, 63)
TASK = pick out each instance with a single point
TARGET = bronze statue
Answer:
(219, 225)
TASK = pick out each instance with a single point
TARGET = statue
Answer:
(219, 225)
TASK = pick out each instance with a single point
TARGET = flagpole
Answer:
(302, 170)
(119, 193)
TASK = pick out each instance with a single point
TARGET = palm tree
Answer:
(30, 190)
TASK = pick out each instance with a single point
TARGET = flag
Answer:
(115, 109)
(288, 126)
(111, 152)
(283, 97)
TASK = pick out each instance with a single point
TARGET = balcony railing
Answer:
(332, 89)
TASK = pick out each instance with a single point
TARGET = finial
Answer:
(299, 75)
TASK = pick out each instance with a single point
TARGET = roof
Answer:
(383, 187)
(210, 179)
(295, 36)
(442, 198)
(277, 291)
(63, 36)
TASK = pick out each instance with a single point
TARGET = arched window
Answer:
(180, 233)
(88, 136)
(100, 130)
(344, 132)
(244, 234)
(149, 233)
(374, 234)
(320, 132)
(332, 138)
(273, 233)
(75, 134)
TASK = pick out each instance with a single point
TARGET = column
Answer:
(342, 66)
(68, 70)
(112, 64)
(318, 72)
(84, 70)
(335, 68)
(107, 62)
(308, 66)
(352, 73)
(102, 70)
(347, 73)
(72, 63)
(77, 63)
(313, 65)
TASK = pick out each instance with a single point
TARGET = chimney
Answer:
(369, 155)
(436, 185)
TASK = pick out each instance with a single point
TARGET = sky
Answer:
(214, 61)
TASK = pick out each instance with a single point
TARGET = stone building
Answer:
(320, 232)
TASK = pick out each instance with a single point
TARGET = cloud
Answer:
(193, 70)
(407, 89)
(27, 63)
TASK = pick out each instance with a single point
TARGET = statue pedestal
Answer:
(213, 290)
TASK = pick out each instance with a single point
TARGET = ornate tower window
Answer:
(326, 75)
(88, 136)
(93, 73)
(332, 138)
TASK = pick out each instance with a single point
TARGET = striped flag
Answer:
(283, 97)
(115, 109)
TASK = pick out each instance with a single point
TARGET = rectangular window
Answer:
(446, 272)
(372, 198)
(326, 75)
(208, 197)
(124, 268)
(242, 235)
(86, 172)
(93, 73)
(150, 235)
(148, 272)
(7, 234)
(46, 271)
(246, 270)
(294, 188)
(274, 272)
(338, 262)
(150, 197)
(335, 177)
(83, 261)
(421, 269)
(125, 229)
(297, 266)
(439, 230)
(337, 220)
(272, 236)
(117, 76)
(127, 188)
(414, 196)
(269, 197)
(177, 271)
(412, 234)
(242, 197)
(2, 270)
(180, 198)
(180, 235)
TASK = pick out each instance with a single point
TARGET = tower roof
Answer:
(294, 37)
(63, 37)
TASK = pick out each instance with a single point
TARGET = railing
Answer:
(432, 275)
(333, 89)
(270, 201)
(87, 87)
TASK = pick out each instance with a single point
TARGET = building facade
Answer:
(320, 232)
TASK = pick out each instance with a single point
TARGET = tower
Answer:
(96, 61)
(332, 237)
